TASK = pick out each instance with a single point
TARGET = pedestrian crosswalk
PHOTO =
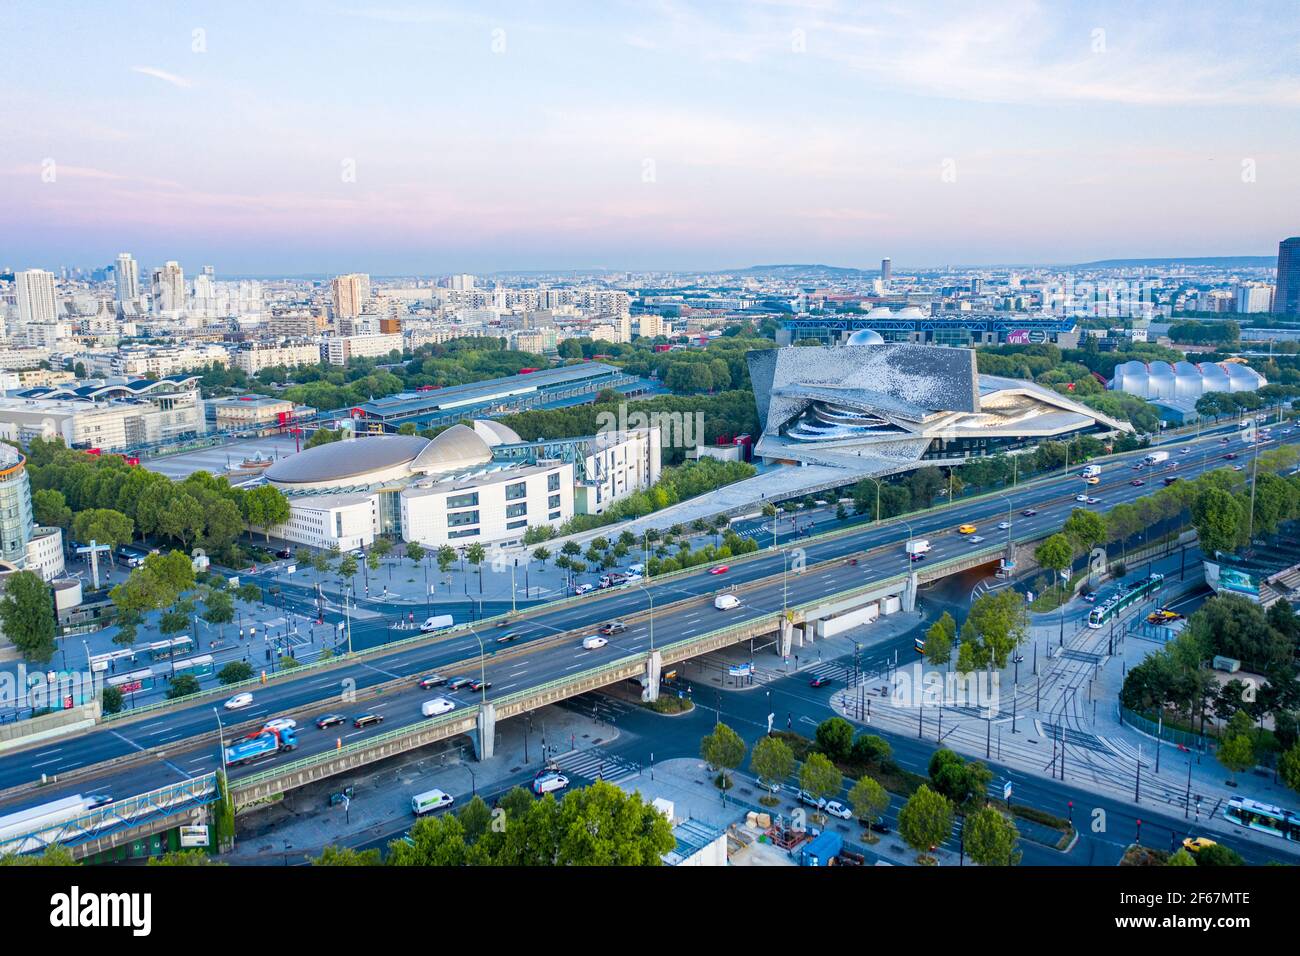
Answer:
(597, 764)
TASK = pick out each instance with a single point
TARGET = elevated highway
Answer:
(172, 744)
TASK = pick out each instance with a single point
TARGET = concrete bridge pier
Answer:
(909, 592)
(653, 667)
(485, 739)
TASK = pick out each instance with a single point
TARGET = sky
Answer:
(290, 137)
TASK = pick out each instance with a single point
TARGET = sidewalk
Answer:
(1061, 713)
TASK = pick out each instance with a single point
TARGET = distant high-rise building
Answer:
(1286, 300)
(886, 269)
(36, 300)
(127, 277)
(350, 294)
(1254, 297)
(461, 282)
(169, 288)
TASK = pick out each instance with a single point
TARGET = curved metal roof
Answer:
(494, 433)
(347, 459)
(458, 447)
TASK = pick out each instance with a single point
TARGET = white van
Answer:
(726, 602)
(593, 643)
(437, 623)
(437, 706)
(918, 546)
(429, 801)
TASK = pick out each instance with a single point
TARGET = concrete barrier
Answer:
(25, 733)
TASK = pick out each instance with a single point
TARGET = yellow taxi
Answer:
(966, 529)
(1197, 844)
(1163, 616)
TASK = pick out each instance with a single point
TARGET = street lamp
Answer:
(482, 665)
(221, 741)
(876, 514)
(651, 600)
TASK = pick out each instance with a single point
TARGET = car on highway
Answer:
(1223, 441)
(477, 685)
(1091, 597)
(1137, 482)
(1197, 844)
(1185, 451)
(1238, 467)
(915, 556)
(280, 723)
(819, 682)
(1028, 513)
(720, 569)
(613, 627)
(549, 783)
(1083, 498)
(456, 683)
(966, 529)
(436, 623)
(593, 643)
(835, 808)
(329, 720)
(437, 707)
(1170, 479)
(432, 680)
(1004, 525)
(366, 719)
(507, 637)
(583, 589)
(975, 538)
(1230, 456)
(239, 702)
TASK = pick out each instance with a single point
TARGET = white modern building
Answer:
(36, 298)
(126, 277)
(256, 357)
(468, 484)
(340, 349)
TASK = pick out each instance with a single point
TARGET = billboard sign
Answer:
(1018, 337)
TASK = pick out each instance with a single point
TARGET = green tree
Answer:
(1288, 767)
(27, 616)
(234, 672)
(938, 641)
(476, 554)
(346, 856)
(1216, 854)
(1054, 554)
(111, 700)
(542, 555)
(348, 567)
(182, 685)
(869, 800)
(185, 858)
(1085, 529)
(819, 776)
(446, 557)
(870, 749)
(990, 838)
(219, 609)
(1218, 519)
(925, 820)
(725, 750)
(772, 761)
(835, 738)
(415, 551)
(265, 507)
(1181, 858)
(1237, 749)
(50, 508)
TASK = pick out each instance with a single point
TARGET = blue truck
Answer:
(821, 849)
(266, 743)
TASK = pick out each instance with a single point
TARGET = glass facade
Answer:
(15, 506)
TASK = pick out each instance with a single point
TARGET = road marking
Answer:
(44, 763)
(127, 740)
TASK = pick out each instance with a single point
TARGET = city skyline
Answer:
(399, 140)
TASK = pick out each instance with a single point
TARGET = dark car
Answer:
(284, 553)
(1029, 512)
(1231, 456)
(917, 557)
(477, 685)
(456, 683)
(507, 637)
(819, 682)
(365, 720)
(329, 720)
(879, 827)
(433, 680)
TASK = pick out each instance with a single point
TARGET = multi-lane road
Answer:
(683, 608)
